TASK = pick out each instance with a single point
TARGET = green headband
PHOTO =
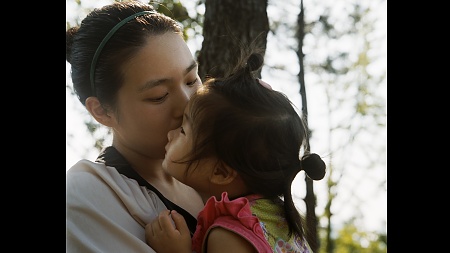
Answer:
(105, 40)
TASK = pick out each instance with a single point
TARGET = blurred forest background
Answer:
(330, 58)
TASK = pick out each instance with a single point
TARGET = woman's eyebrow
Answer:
(193, 65)
(152, 83)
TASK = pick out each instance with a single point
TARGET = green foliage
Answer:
(177, 11)
(352, 240)
(351, 77)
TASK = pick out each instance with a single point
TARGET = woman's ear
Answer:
(223, 174)
(99, 112)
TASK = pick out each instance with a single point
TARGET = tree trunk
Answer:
(229, 24)
(310, 198)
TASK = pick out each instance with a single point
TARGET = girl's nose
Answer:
(170, 134)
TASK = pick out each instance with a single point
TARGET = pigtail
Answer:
(313, 166)
(293, 217)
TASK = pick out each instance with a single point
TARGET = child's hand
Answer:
(164, 236)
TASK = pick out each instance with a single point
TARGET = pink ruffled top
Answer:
(234, 215)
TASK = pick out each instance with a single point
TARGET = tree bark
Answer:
(228, 25)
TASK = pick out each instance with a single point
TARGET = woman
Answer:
(134, 73)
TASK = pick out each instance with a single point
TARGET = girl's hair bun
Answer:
(314, 166)
(255, 61)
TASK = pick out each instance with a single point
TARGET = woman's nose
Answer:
(182, 99)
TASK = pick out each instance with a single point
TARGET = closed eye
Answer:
(159, 99)
(193, 82)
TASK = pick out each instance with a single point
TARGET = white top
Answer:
(106, 211)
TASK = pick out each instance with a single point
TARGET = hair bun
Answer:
(314, 166)
(255, 61)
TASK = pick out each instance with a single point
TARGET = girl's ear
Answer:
(99, 112)
(223, 174)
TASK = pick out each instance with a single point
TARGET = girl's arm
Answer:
(221, 240)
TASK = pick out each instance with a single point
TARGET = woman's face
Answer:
(159, 80)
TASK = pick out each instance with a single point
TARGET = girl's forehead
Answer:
(186, 117)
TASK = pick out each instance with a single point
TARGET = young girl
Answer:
(238, 147)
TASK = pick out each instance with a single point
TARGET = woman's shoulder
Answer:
(86, 175)
(84, 165)
(105, 210)
(95, 184)
(84, 172)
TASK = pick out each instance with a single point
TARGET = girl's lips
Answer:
(166, 147)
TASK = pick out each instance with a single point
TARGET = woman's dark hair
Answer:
(83, 41)
(256, 131)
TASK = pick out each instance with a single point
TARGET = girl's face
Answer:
(158, 82)
(181, 143)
